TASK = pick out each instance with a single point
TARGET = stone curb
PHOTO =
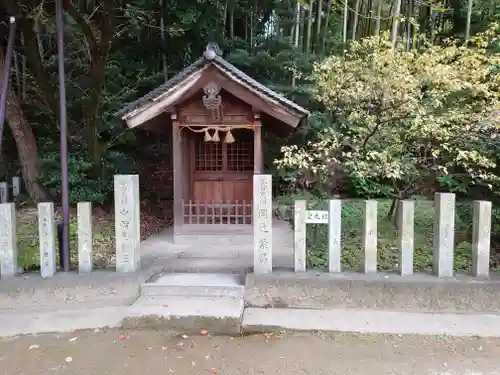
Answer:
(418, 293)
(258, 320)
(371, 321)
(14, 324)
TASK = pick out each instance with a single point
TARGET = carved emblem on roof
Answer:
(212, 100)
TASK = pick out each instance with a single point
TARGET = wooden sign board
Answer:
(316, 217)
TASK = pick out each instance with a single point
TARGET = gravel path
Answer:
(117, 352)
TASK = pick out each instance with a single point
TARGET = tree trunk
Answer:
(27, 150)
(99, 48)
(231, 22)
(378, 20)
(356, 17)
(409, 25)
(325, 27)
(317, 38)
(395, 23)
(163, 41)
(309, 27)
(468, 21)
(390, 213)
(344, 28)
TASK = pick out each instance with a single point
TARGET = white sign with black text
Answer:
(316, 217)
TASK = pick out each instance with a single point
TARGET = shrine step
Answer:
(194, 285)
(216, 315)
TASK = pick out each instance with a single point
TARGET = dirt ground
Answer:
(111, 352)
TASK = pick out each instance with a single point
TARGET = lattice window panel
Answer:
(208, 156)
(240, 156)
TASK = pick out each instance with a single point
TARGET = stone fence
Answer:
(444, 234)
(127, 231)
(4, 189)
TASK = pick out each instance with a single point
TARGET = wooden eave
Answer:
(195, 77)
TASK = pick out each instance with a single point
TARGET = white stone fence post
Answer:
(8, 241)
(127, 223)
(4, 189)
(85, 255)
(444, 230)
(47, 239)
(262, 220)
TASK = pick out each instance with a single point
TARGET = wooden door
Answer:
(222, 180)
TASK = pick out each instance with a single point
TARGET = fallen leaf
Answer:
(204, 332)
(68, 359)
(213, 371)
(122, 337)
(73, 339)
(35, 346)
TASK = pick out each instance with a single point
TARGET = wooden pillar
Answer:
(177, 173)
(258, 159)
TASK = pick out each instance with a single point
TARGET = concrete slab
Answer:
(221, 253)
(371, 321)
(187, 314)
(60, 321)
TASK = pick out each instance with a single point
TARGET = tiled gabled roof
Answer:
(210, 57)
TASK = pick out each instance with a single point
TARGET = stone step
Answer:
(217, 315)
(195, 285)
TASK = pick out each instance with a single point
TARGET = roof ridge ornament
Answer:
(212, 49)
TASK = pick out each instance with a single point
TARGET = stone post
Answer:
(262, 224)
(127, 223)
(8, 241)
(481, 233)
(369, 264)
(444, 234)
(4, 192)
(85, 258)
(334, 235)
(406, 237)
(47, 237)
(299, 236)
(16, 186)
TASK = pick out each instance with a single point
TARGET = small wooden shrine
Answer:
(214, 113)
